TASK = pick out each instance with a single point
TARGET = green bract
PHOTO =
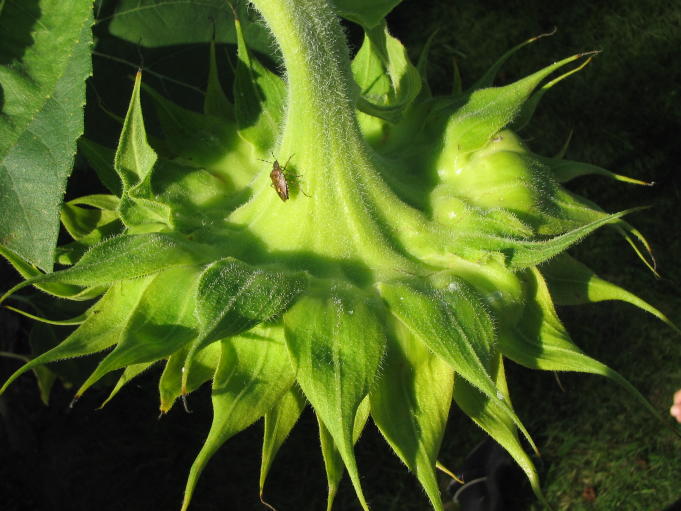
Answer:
(422, 243)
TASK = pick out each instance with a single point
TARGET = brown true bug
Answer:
(278, 177)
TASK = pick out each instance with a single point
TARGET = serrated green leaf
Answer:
(453, 322)
(253, 374)
(410, 405)
(106, 322)
(232, 297)
(259, 97)
(333, 461)
(540, 341)
(279, 422)
(45, 56)
(161, 323)
(367, 14)
(146, 22)
(336, 341)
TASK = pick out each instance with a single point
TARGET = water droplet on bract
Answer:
(458, 171)
(401, 298)
(500, 395)
(351, 312)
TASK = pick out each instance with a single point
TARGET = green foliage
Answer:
(393, 283)
(44, 61)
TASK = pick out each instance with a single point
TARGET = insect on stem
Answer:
(279, 178)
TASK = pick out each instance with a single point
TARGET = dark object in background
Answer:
(492, 481)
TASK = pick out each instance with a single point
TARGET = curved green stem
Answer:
(346, 216)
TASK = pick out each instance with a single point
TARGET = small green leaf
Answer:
(45, 51)
(232, 297)
(335, 338)
(410, 405)
(333, 461)
(367, 14)
(253, 375)
(279, 422)
(106, 322)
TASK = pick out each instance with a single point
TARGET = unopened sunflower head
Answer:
(420, 243)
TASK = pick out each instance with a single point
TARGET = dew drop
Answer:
(500, 395)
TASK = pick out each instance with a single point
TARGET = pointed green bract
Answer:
(454, 324)
(573, 283)
(335, 340)
(201, 370)
(161, 324)
(333, 460)
(410, 405)
(253, 375)
(279, 422)
(540, 341)
(131, 372)
(233, 297)
(491, 417)
(103, 328)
